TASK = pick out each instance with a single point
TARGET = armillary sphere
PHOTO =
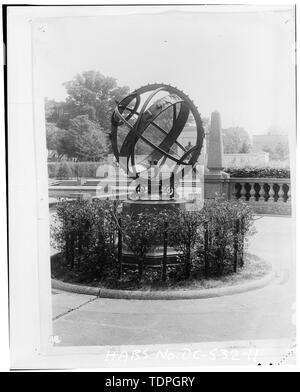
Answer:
(146, 129)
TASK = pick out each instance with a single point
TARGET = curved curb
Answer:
(74, 288)
(164, 295)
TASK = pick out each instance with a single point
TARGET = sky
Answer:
(239, 63)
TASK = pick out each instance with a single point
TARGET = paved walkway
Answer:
(266, 313)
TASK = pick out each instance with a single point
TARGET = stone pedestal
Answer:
(216, 186)
(155, 255)
(137, 206)
(216, 181)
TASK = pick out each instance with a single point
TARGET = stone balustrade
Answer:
(266, 195)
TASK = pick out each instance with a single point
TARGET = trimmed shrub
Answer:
(84, 231)
(185, 227)
(141, 232)
(228, 224)
(258, 172)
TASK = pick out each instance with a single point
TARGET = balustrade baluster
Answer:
(262, 191)
(243, 191)
(234, 190)
(280, 193)
(252, 191)
(271, 193)
(259, 193)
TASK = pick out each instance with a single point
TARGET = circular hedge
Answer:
(209, 243)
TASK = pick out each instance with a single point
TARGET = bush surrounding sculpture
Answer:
(209, 242)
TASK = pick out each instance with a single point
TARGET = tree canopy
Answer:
(280, 152)
(78, 127)
(93, 94)
(83, 140)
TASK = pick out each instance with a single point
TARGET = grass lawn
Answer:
(254, 268)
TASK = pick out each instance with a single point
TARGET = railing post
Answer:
(165, 253)
(206, 261)
(236, 244)
(243, 239)
(120, 239)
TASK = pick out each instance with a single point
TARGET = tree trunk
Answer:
(140, 267)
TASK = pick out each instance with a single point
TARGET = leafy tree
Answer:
(83, 140)
(91, 146)
(278, 153)
(235, 140)
(57, 113)
(77, 126)
(245, 148)
(52, 136)
(51, 110)
(282, 151)
(95, 95)
(54, 139)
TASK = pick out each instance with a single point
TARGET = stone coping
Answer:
(165, 294)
